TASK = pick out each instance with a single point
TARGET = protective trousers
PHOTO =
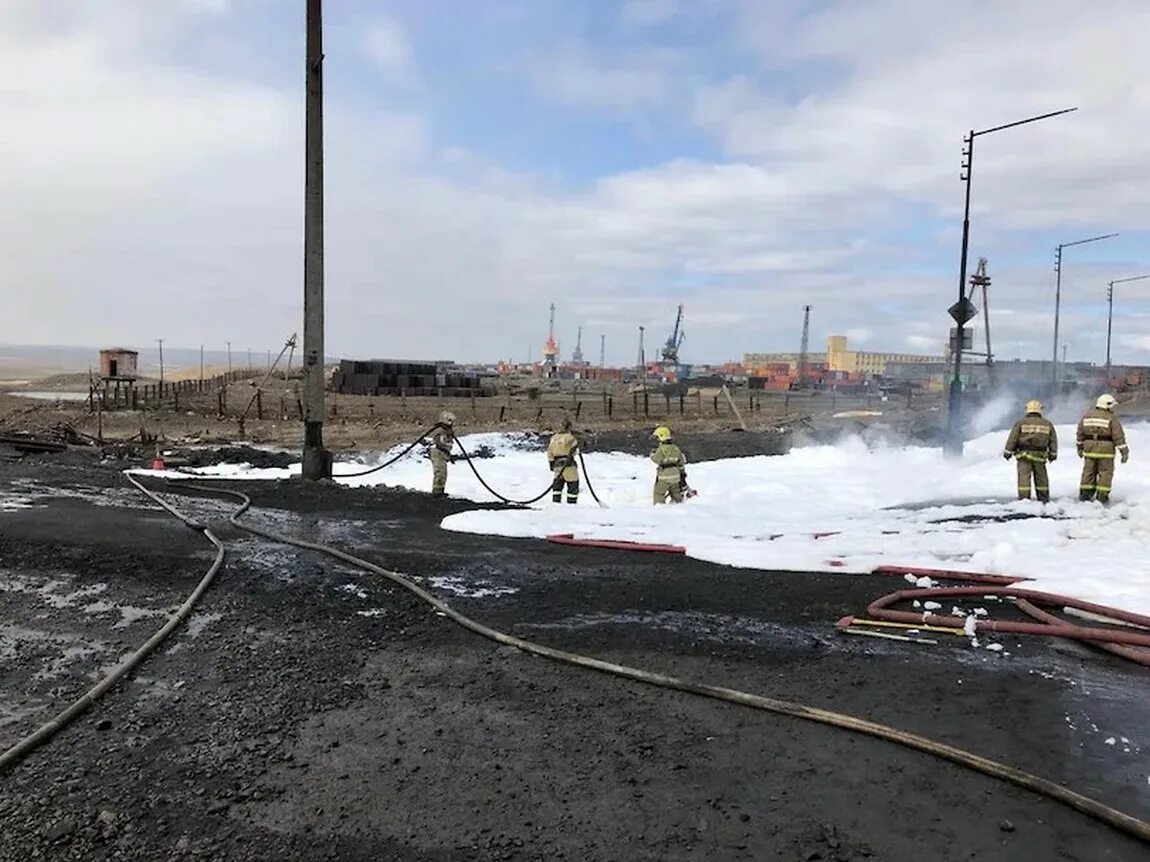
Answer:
(572, 487)
(1028, 468)
(438, 472)
(1097, 478)
(668, 487)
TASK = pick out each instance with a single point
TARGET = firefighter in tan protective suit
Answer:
(561, 452)
(1100, 438)
(670, 467)
(1033, 442)
(442, 442)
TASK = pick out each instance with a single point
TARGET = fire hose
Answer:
(389, 461)
(1122, 822)
(1026, 601)
(128, 664)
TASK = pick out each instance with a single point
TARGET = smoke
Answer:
(994, 415)
(1069, 408)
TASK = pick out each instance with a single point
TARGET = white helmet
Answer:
(447, 417)
(1106, 402)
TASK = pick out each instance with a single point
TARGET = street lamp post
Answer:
(963, 310)
(1110, 314)
(1058, 294)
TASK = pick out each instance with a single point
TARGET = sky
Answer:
(614, 157)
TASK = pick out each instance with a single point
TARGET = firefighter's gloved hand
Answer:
(1007, 455)
(1125, 455)
(1053, 457)
(1081, 451)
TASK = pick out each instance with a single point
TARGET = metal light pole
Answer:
(1058, 294)
(201, 366)
(316, 459)
(160, 342)
(1110, 314)
(229, 357)
(963, 310)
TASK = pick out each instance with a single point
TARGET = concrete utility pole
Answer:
(229, 357)
(316, 459)
(160, 342)
(201, 365)
(1058, 294)
(249, 359)
(602, 351)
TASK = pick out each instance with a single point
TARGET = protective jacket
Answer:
(1100, 435)
(670, 461)
(443, 439)
(561, 451)
(1032, 438)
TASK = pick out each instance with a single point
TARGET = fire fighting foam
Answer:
(896, 505)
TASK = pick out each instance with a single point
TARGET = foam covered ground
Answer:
(896, 505)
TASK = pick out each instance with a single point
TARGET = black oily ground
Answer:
(301, 729)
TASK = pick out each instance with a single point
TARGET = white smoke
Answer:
(995, 414)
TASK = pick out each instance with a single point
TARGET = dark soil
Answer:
(311, 711)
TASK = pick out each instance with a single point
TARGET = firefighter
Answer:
(670, 467)
(561, 451)
(442, 442)
(1100, 437)
(1033, 442)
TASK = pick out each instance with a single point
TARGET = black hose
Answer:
(587, 480)
(491, 490)
(1120, 821)
(388, 462)
(129, 663)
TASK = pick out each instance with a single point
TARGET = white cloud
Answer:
(646, 13)
(387, 45)
(570, 75)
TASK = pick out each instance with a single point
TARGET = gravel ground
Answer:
(310, 711)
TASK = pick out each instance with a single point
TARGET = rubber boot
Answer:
(1085, 496)
(1043, 498)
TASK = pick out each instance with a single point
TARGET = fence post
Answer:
(682, 409)
(578, 409)
(176, 395)
(610, 406)
(220, 402)
(635, 403)
(259, 404)
(646, 405)
(135, 399)
(502, 411)
(716, 405)
(667, 402)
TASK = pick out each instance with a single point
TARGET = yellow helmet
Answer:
(1106, 402)
(1033, 406)
(447, 418)
(662, 434)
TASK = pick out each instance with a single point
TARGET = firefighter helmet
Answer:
(1033, 406)
(1106, 402)
(447, 418)
(662, 434)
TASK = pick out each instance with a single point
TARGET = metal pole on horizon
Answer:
(1110, 314)
(1058, 295)
(962, 311)
(160, 342)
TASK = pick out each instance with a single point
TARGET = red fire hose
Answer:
(880, 609)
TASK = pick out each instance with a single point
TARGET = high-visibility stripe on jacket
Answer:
(1100, 434)
(1032, 439)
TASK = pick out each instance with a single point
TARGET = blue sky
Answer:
(615, 157)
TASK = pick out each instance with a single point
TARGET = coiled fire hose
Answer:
(69, 714)
(1120, 821)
